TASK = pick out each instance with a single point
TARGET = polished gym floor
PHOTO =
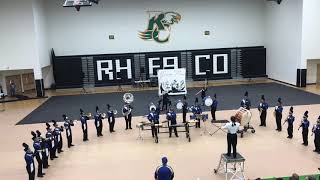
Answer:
(120, 156)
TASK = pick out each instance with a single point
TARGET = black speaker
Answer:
(301, 77)
(303, 80)
(298, 77)
(40, 88)
(142, 70)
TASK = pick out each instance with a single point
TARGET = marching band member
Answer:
(98, 122)
(153, 117)
(28, 157)
(57, 135)
(84, 125)
(165, 101)
(214, 106)
(184, 109)
(233, 128)
(305, 128)
(127, 113)
(51, 142)
(164, 172)
(197, 111)
(67, 125)
(263, 107)
(111, 119)
(44, 150)
(290, 119)
(203, 94)
(37, 153)
(245, 102)
(316, 132)
(172, 118)
(158, 109)
(278, 113)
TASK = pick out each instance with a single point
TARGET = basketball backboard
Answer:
(77, 3)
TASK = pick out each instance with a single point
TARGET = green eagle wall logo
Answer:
(159, 26)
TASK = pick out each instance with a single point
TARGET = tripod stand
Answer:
(83, 90)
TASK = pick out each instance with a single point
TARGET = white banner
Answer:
(172, 81)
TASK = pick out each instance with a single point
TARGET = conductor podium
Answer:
(231, 167)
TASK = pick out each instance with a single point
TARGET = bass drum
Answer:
(243, 116)
(208, 101)
(179, 105)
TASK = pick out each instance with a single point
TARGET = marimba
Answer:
(158, 127)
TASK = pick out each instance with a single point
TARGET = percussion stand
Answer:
(231, 166)
(205, 131)
(140, 134)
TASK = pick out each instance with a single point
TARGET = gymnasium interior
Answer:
(90, 58)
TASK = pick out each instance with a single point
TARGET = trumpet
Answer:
(114, 111)
(89, 115)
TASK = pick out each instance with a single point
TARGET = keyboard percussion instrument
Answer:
(161, 128)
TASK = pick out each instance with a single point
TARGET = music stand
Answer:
(139, 126)
(216, 122)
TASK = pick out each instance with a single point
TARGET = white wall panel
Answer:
(283, 39)
(232, 23)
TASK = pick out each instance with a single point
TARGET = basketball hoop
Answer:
(77, 3)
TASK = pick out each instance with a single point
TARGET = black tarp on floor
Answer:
(229, 97)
